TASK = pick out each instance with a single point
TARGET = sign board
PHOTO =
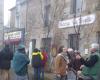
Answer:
(86, 51)
(12, 35)
(77, 21)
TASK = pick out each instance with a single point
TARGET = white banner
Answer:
(71, 22)
(12, 35)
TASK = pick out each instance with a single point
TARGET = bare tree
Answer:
(51, 13)
(56, 9)
(78, 28)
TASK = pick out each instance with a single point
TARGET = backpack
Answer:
(36, 61)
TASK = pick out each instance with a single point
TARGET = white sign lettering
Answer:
(78, 21)
(12, 35)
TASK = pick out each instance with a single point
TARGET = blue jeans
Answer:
(37, 72)
(42, 73)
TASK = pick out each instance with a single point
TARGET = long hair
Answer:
(60, 49)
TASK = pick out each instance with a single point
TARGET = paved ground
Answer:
(48, 76)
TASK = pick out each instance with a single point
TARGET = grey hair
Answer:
(95, 45)
(70, 50)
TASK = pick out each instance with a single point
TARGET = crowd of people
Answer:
(66, 60)
(18, 62)
(85, 69)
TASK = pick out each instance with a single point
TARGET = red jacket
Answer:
(45, 57)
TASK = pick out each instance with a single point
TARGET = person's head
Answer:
(21, 48)
(65, 50)
(60, 49)
(94, 47)
(7, 47)
(36, 50)
(76, 52)
(42, 50)
(70, 50)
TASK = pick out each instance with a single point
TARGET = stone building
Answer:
(1, 22)
(52, 23)
(15, 34)
(81, 19)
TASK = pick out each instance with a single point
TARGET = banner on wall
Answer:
(13, 36)
(89, 19)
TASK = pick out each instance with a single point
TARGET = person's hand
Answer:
(66, 67)
(67, 61)
(79, 73)
(78, 57)
(81, 66)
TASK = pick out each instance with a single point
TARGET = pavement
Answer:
(48, 76)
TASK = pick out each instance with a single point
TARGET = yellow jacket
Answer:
(36, 53)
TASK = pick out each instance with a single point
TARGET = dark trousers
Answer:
(37, 72)
(42, 73)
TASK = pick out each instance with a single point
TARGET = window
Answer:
(77, 6)
(98, 38)
(18, 16)
(46, 12)
(73, 41)
(33, 44)
(17, 22)
(46, 15)
(46, 43)
(98, 6)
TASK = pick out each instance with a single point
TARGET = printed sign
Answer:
(77, 21)
(12, 35)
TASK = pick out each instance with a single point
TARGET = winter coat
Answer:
(92, 66)
(36, 53)
(45, 57)
(61, 65)
(19, 63)
(71, 57)
(77, 64)
(6, 56)
(37, 59)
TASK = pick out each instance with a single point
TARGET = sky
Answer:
(8, 4)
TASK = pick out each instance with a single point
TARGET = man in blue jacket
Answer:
(20, 63)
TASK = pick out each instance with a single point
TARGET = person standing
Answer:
(6, 56)
(45, 57)
(71, 56)
(91, 69)
(77, 62)
(61, 65)
(37, 58)
(20, 63)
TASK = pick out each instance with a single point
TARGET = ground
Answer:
(48, 76)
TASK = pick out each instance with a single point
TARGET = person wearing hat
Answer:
(20, 62)
(91, 69)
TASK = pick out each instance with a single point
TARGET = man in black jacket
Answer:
(6, 56)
